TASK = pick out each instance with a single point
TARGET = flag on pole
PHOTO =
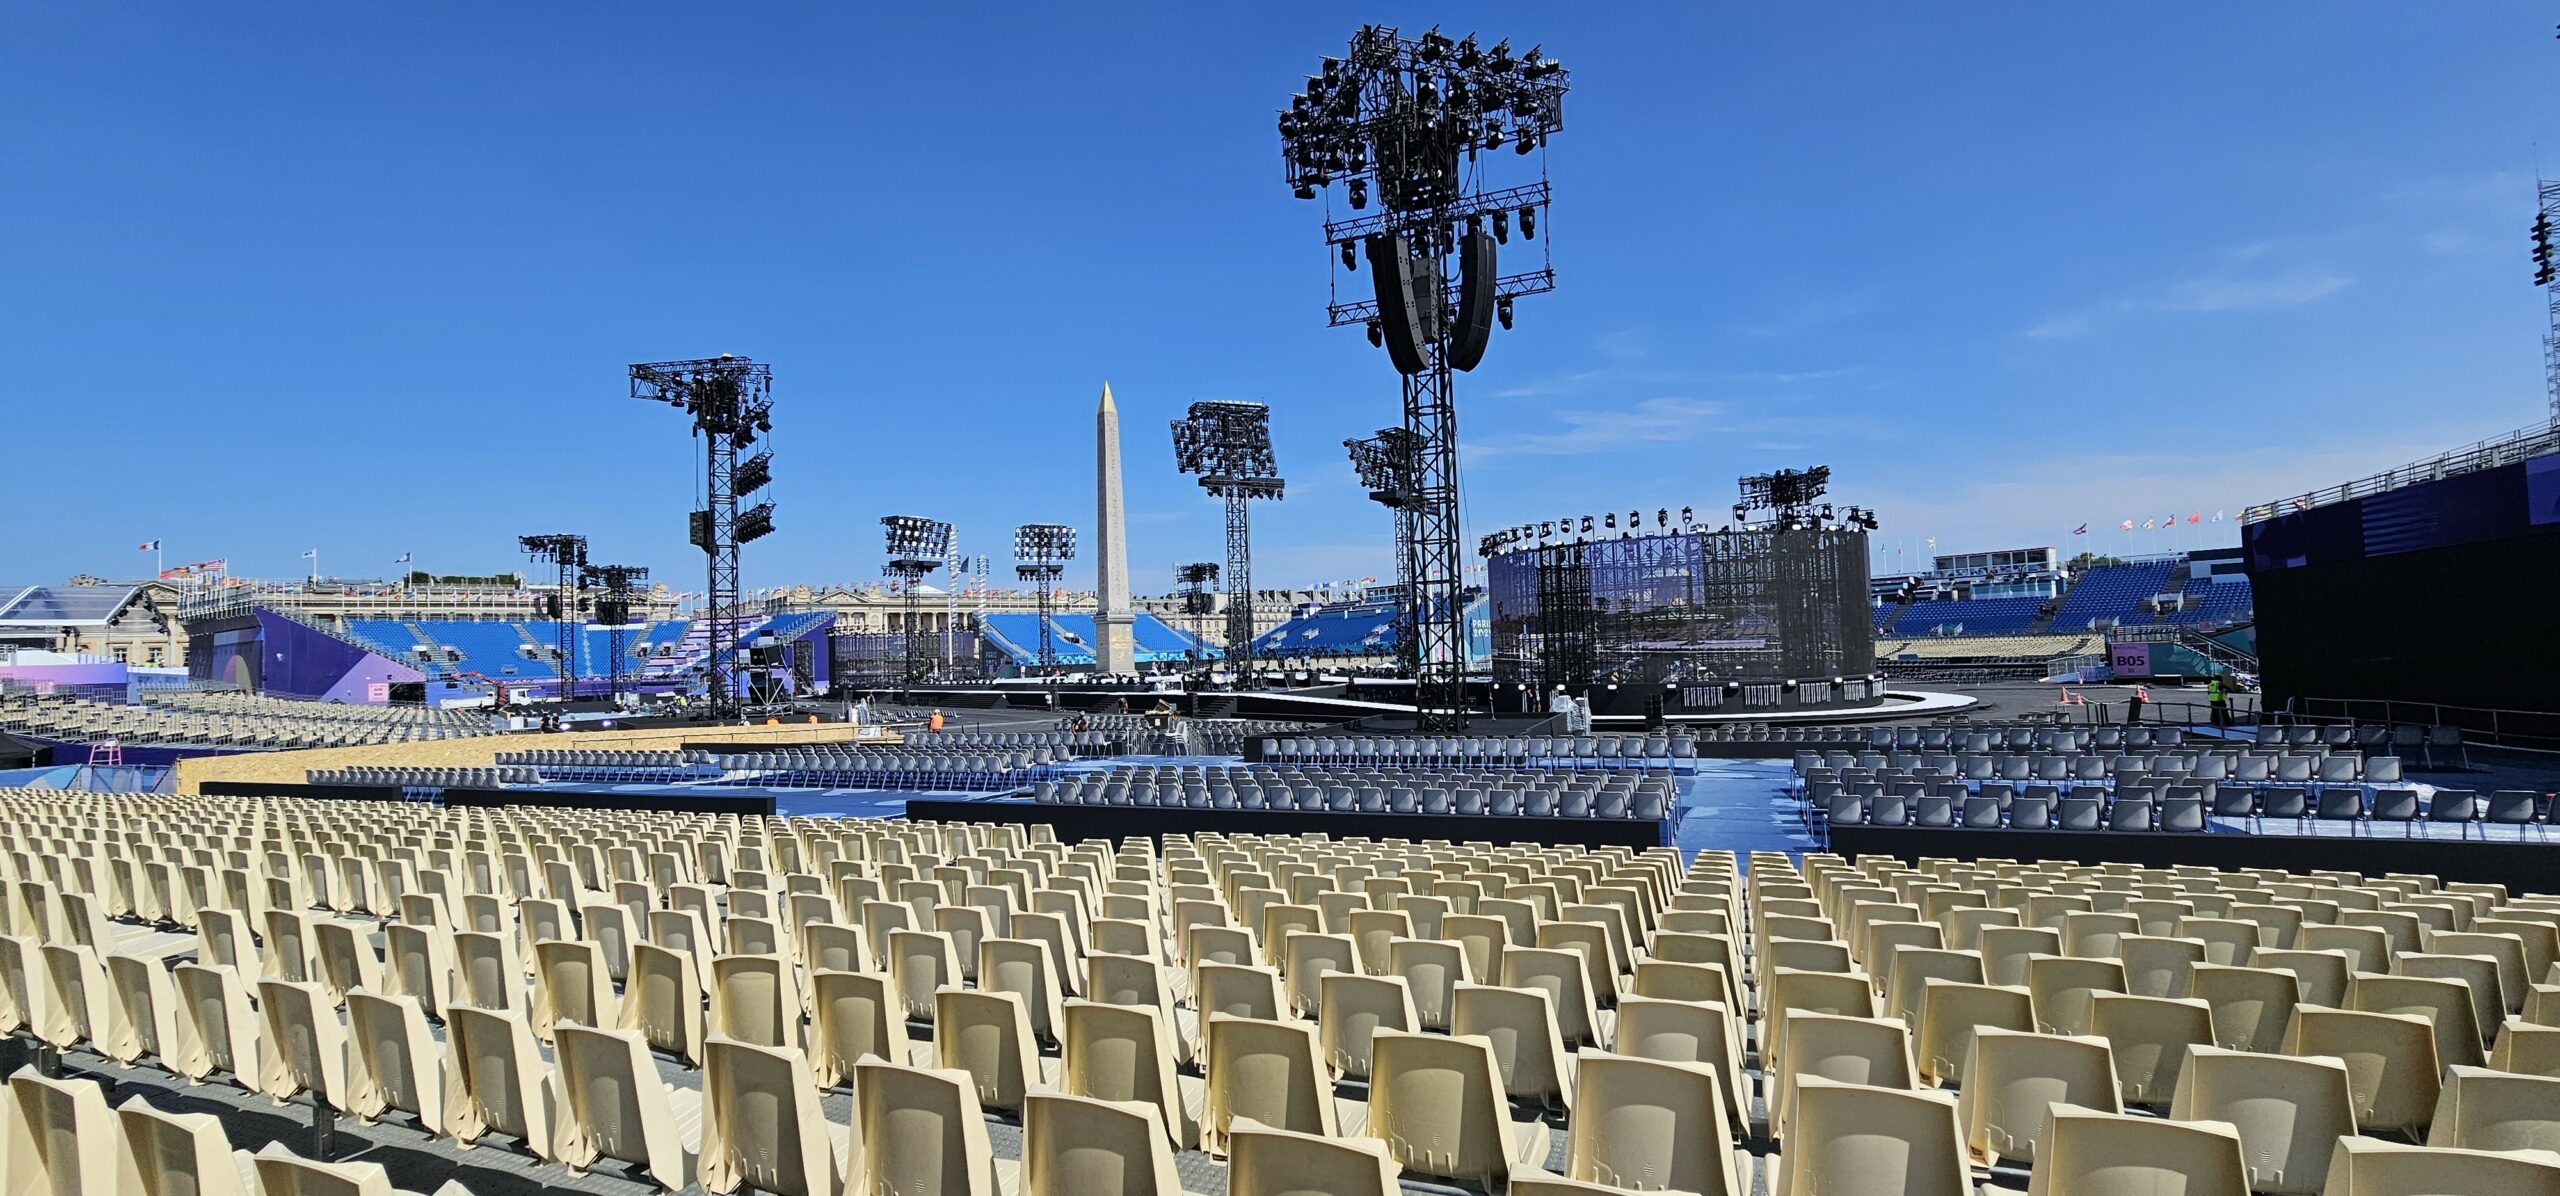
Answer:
(2195, 518)
(2150, 524)
(2217, 517)
(2081, 530)
(311, 554)
(1933, 542)
(2127, 525)
(402, 559)
(147, 546)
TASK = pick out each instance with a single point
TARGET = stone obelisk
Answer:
(1115, 647)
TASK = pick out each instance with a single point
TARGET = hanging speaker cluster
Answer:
(1412, 300)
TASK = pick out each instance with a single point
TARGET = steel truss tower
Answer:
(1041, 552)
(1195, 580)
(917, 547)
(2547, 276)
(1389, 466)
(731, 402)
(569, 597)
(620, 587)
(1410, 122)
(1228, 444)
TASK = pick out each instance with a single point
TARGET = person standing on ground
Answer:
(2219, 699)
(2134, 703)
(934, 723)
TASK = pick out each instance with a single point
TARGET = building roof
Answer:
(63, 606)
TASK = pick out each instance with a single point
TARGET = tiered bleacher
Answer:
(428, 778)
(2090, 780)
(1015, 639)
(653, 1002)
(1365, 631)
(557, 764)
(839, 766)
(1438, 751)
(231, 720)
(522, 649)
(1630, 792)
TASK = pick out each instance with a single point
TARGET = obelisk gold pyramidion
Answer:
(1115, 647)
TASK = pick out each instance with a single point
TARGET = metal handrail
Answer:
(2471, 458)
(2528, 730)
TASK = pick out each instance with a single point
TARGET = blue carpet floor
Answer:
(1742, 806)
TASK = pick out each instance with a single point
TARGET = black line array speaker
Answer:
(1399, 277)
(1475, 300)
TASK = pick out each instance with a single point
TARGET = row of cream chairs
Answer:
(2277, 1022)
(1235, 935)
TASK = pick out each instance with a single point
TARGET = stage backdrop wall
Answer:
(2440, 592)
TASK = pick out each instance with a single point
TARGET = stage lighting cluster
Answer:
(1043, 546)
(918, 543)
(1396, 114)
(1228, 444)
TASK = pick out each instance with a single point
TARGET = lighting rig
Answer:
(1228, 444)
(1584, 529)
(1040, 553)
(568, 601)
(1789, 500)
(917, 547)
(2546, 274)
(731, 402)
(1416, 124)
(1388, 465)
(618, 586)
(1196, 579)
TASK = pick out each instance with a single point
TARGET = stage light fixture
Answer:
(1377, 331)
(1502, 310)
(1501, 226)
(1351, 261)
(1529, 222)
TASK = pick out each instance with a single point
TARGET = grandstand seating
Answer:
(1348, 789)
(1333, 631)
(500, 649)
(427, 778)
(1449, 751)
(1990, 616)
(2113, 592)
(231, 720)
(1275, 1014)
(1986, 647)
(1017, 636)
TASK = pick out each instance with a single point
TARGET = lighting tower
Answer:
(620, 585)
(2546, 274)
(917, 547)
(1387, 464)
(731, 402)
(1417, 124)
(568, 599)
(1228, 444)
(1195, 580)
(1041, 552)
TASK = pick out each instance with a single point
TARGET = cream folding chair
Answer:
(306, 1045)
(1264, 1161)
(345, 960)
(1951, 1012)
(1431, 970)
(60, 1136)
(2063, 989)
(143, 1019)
(2527, 1050)
(1437, 1103)
(1872, 1141)
(1875, 1052)
(2093, 1153)
(2446, 1004)
(663, 1001)
(2149, 1037)
(2012, 1079)
(612, 1105)
(1353, 1008)
(393, 1060)
(1649, 1125)
(1079, 1146)
(495, 1081)
(2287, 1111)
(2390, 1058)
(856, 1015)
(77, 1005)
(487, 972)
(987, 1035)
(1265, 1071)
(2481, 1109)
(1026, 968)
(2368, 1167)
(177, 1154)
(920, 963)
(1700, 1032)
(1124, 1053)
(762, 1126)
(2251, 1005)
(280, 1172)
(420, 967)
(571, 984)
(1564, 975)
(218, 1026)
(755, 998)
(1528, 1045)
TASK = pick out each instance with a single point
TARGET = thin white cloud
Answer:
(1656, 420)
(1808, 315)
(2210, 294)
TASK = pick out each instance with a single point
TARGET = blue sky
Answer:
(366, 277)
